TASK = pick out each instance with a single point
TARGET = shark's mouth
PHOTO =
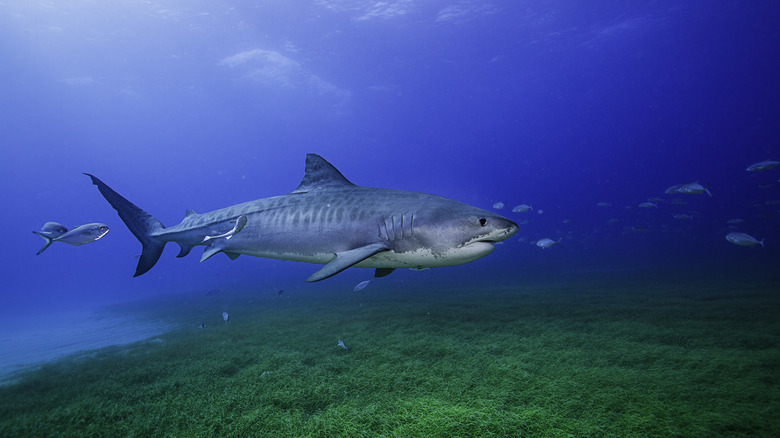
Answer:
(495, 236)
(479, 248)
(471, 251)
(481, 244)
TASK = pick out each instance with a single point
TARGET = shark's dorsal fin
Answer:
(320, 175)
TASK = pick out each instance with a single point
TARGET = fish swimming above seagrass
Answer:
(53, 232)
(330, 221)
(743, 239)
(762, 166)
(693, 188)
(548, 243)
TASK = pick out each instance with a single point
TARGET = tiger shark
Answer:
(330, 221)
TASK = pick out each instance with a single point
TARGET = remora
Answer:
(327, 220)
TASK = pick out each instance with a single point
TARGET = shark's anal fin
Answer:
(185, 249)
(346, 259)
(383, 272)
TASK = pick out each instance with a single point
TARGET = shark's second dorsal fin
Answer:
(320, 175)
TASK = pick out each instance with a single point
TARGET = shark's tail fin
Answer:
(48, 240)
(141, 224)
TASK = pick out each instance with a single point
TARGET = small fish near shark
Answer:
(330, 221)
(360, 286)
(693, 188)
(53, 232)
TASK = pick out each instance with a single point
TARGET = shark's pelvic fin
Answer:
(346, 259)
(217, 247)
(211, 250)
(320, 174)
(141, 224)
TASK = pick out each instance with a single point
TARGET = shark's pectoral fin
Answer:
(346, 259)
(383, 272)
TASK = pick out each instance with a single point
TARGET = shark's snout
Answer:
(510, 230)
(503, 229)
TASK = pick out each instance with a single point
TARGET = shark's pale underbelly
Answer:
(420, 258)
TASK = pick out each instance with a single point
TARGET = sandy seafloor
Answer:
(659, 353)
(29, 340)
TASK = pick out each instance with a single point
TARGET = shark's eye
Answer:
(482, 221)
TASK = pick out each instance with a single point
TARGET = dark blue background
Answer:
(558, 104)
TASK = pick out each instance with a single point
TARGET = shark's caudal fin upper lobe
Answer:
(141, 224)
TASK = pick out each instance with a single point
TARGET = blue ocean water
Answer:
(557, 104)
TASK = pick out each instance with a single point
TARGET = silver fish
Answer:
(52, 232)
(522, 208)
(341, 344)
(499, 205)
(647, 205)
(360, 286)
(693, 188)
(547, 243)
(225, 316)
(743, 239)
(762, 166)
